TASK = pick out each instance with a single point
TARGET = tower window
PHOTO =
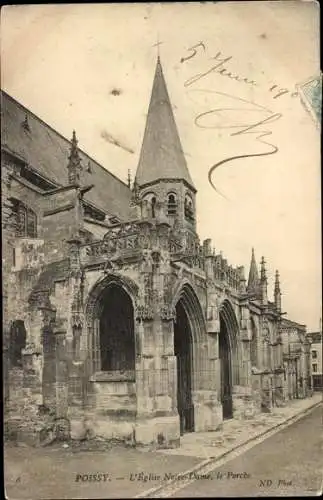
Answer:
(188, 208)
(150, 200)
(171, 204)
(153, 207)
(26, 220)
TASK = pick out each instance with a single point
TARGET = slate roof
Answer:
(161, 154)
(288, 323)
(46, 151)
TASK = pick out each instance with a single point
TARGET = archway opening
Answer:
(116, 330)
(225, 355)
(183, 352)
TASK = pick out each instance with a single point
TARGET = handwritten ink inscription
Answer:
(220, 118)
(238, 116)
(221, 69)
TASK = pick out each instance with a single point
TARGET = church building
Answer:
(119, 323)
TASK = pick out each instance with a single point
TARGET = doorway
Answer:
(226, 371)
(183, 353)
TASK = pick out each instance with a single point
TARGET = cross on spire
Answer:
(158, 45)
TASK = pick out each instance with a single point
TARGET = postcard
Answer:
(161, 245)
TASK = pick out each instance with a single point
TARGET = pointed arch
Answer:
(189, 330)
(188, 295)
(127, 292)
(228, 315)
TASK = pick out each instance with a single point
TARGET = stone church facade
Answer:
(118, 322)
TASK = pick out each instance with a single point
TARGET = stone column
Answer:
(206, 397)
(61, 370)
(48, 348)
(244, 402)
(145, 369)
(280, 392)
(32, 359)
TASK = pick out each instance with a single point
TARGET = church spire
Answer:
(74, 162)
(253, 280)
(161, 154)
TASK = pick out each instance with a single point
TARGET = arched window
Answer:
(188, 208)
(26, 220)
(17, 342)
(171, 204)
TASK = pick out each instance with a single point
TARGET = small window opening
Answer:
(171, 205)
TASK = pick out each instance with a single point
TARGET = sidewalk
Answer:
(212, 445)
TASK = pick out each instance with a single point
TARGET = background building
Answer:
(316, 360)
(297, 370)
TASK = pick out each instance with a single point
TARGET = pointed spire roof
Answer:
(253, 280)
(161, 154)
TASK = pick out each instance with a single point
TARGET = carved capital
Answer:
(168, 313)
(144, 312)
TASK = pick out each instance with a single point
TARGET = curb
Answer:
(213, 461)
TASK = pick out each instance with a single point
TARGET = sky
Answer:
(90, 67)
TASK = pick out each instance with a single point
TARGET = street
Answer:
(288, 463)
(55, 472)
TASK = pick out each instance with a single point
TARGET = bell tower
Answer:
(163, 182)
